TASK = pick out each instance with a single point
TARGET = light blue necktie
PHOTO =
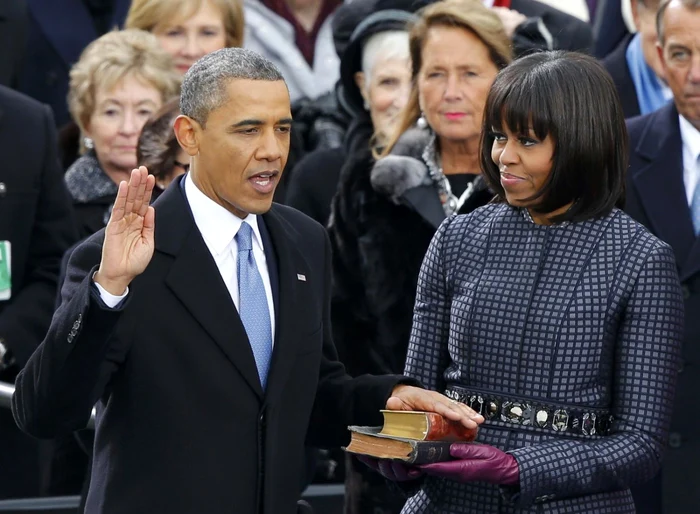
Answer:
(695, 202)
(253, 307)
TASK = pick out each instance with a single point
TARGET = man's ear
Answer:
(634, 7)
(662, 57)
(188, 133)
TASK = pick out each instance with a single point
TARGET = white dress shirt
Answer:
(219, 228)
(691, 151)
(488, 3)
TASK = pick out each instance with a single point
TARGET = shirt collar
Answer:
(690, 136)
(217, 225)
(488, 3)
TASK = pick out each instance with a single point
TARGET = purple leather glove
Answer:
(393, 470)
(477, 463)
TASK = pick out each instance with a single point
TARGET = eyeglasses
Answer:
(182, 165)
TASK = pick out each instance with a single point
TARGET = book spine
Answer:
(427, 452)
(442, 429)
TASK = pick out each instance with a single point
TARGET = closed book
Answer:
(369, 441)
(425, 426)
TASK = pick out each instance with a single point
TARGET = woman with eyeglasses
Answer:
(159, 150)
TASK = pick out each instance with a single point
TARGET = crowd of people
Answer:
(506, 206)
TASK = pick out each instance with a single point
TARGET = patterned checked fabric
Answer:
(695, 204)
(254, 310)
(583, 314)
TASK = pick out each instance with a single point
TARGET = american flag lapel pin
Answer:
(301, 277)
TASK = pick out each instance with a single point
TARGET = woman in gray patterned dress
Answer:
(551, 312)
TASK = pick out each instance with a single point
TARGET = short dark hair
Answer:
(204, 86)
(158, 146)
(571, 98)
(688, 4)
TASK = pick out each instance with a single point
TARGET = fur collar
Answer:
(404, 168)
(87, 182)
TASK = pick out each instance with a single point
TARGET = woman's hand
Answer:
(476, 463)
(129, 235)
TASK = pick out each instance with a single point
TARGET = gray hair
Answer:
(691, 5)
(204, 86)
(390, 44)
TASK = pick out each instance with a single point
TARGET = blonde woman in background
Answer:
(189, 29)
(121, 79)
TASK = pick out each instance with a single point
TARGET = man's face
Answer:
(680, 56)
(244, 146)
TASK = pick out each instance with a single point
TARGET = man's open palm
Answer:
(129, 236)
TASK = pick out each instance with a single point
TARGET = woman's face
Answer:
(116, 122)
(454, 81)
(386, 92)
(187, 40)
(525, 163)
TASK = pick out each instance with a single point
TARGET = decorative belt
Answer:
(528, 412)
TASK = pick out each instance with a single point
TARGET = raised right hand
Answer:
(129, 236)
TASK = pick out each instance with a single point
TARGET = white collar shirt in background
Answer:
(691, 152)
(219, 228)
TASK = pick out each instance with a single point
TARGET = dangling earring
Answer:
(366, 105)
(88, 143)
(421, 122)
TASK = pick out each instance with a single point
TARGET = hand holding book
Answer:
(476, 462)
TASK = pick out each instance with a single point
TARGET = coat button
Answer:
(3, 189)
(674, 440)
(686, 291)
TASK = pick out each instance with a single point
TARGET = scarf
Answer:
(651, 92)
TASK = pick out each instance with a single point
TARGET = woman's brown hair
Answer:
(470, 15)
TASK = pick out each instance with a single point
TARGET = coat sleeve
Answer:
(68, 373)
(428, 356)
(647, 358)
(24, 322)
(341, 400)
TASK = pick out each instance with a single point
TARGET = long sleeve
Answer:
(24, 322)
(428, 355)
(64, 378)
(646, 365)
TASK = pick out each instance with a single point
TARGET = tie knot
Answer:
(244, 238)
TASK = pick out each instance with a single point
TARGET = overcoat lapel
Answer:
(660, 182)
(291, 265)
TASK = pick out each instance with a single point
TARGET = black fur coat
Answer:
(382, 220)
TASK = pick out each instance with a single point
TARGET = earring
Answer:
(421, 122)
(88, 143)
(366, 105)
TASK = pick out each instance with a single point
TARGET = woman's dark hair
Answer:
(572, 99)
(157, 146)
